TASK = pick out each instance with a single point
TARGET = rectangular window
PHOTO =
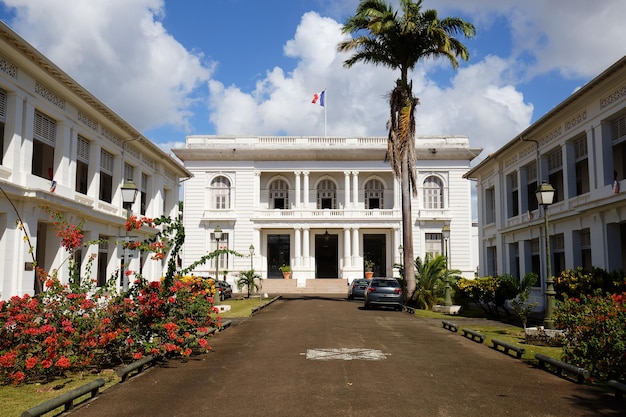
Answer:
(106, 176)
(103, 260)
(490, 205)
(44, 141)
(555, 173)
(144, 193)
(513, 194)
(535, 260)
(3, 118)
(618, 137)
(581, 165)
(531, 186)
(222, 259)
(82, 165)
(434, 243)
(492, 261)
(557, 243)
(585, 249)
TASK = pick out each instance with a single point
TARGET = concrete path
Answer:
(315, 356)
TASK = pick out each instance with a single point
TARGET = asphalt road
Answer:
(315, 356)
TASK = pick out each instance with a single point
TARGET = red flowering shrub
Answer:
(595, 337)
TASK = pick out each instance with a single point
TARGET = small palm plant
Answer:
(248, 279)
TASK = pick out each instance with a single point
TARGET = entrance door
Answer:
(374, 250)
(326, 257)
(278, 254)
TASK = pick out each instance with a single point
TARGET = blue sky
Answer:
(245, 67)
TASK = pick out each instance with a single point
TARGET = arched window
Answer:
(220, 192)
(279, 194)
(326, 195)
(433, 193)
(374, 195)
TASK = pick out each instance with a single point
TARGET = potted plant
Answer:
(368, 265)
(286, 270)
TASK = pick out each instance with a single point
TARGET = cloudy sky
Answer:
(174, 68)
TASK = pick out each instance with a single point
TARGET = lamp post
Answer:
(445, 232)
(251, 250)
(545, 197)
(217, 233)
(129, 194)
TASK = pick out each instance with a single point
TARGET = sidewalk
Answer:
(325, 356)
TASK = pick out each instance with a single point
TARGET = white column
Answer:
(346, 186)
(256, 199)
(355, 247)
(397, 241)
(355, 189)
(306, 252)
(306, 189)
(298, 246)
(396, 193)
(347, 262)
(298, 190)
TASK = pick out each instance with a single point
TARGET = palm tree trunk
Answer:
(407, 229)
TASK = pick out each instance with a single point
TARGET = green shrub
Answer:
(595, 337)
(490, 293)
(574, 283)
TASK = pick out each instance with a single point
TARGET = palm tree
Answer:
(396, 40)
(431, 275)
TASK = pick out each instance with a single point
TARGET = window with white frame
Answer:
(106, 176)
(555, 173)
(529, 201)
(434, 243)
(581, 167)
(557, 243)
(374, 195)
(82, 165)
(492, 261)
(490, 205)
(44, 142)
(103, 260)
(535, 260)
(326, 195)
(3, 118)
(512, 194)
(433, 193)
(220, 192)
(143, 188)
(585, 249)
(129, 172)
(618, 139)
(279, 195)
(221, 261)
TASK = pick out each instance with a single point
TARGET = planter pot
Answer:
(369, 274)
(286, 275)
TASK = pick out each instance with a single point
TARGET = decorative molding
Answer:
(549, 137)
(8, 68)
(110, 136)
(148, 161)
(87, 121)
(47, 94)
(613, 97)
(576, 120)
(510, 161)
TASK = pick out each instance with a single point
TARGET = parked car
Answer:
(225, 289)
(383, 292)
(357, 288)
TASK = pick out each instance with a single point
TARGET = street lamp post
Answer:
(445, 232)
(217, 233)
(251, 250)
(129, 194)
(545, 197)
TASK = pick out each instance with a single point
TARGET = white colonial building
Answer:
(321, 205)
(62, 148)
(579, 148)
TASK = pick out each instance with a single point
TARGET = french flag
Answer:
(319, 97)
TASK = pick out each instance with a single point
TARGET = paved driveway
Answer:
(313, 356)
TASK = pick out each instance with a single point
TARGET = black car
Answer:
(357, 288)
(383, 292)
(225, 289)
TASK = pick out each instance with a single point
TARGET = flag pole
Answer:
(325, 104)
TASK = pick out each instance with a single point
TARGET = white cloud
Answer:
(120, 50)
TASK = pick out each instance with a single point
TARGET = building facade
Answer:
(579, 148)
(321, 205)
(63, 149)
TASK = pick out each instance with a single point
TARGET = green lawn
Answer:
(509, 333)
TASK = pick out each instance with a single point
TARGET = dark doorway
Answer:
(374, 250)
(326, 257)
(277, 254)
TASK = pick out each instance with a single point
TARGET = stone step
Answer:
(313, 286)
